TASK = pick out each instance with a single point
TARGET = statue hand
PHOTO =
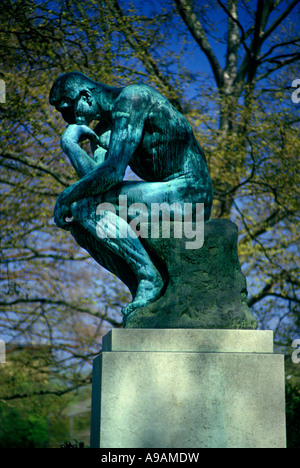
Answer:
(62, 210)
(75, 133)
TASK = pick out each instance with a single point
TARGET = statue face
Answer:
(66, 107)
(72, 96)
(85, 108)
(81, 110)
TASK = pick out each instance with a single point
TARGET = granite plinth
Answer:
(188, 389)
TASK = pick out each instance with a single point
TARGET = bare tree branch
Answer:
(281, 44)
(282, 64)
(66, 390)
(28, 189)
(142, 51)
(184, 9)
(260, 295)
(234, 19)
(275, 217)
(35, 164)
(285, 297)
(60, 302)
(279, 20)
(233, 42)
(250, 62)
(265, 292)
(286, 57)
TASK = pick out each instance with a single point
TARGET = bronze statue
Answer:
(137, 127)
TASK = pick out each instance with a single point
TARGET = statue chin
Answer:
(68, 116)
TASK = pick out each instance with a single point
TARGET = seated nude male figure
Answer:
(137, 127)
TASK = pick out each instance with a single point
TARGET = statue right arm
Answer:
(80, 160)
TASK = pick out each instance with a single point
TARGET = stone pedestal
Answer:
(188, 388)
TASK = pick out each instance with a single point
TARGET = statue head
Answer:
(74, 95)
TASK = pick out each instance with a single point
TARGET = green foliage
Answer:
(22, 429)
(32, 413)
(293, 415)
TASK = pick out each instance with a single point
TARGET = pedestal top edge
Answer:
(189, 340)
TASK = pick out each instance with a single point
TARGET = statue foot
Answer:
(148, 291)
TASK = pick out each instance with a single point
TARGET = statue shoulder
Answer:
(135, 94)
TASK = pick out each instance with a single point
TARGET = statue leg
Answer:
(106, 258)
(115, 252)
(113, 243)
